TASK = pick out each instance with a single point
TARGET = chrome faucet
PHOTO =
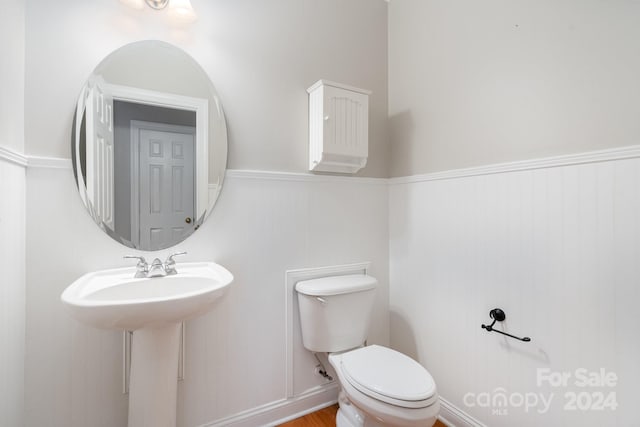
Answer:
(170, 264)
(142, 268)
(157, 267)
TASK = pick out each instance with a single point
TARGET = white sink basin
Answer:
(113, 299)
(153, 309)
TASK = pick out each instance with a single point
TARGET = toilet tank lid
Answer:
(336, 285)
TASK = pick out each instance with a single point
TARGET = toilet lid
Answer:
(388, 375)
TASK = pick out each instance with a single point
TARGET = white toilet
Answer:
(379, 386)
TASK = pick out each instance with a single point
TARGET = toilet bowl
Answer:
(379, 386)
(390, 388)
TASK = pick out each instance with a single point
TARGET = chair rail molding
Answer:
(612, 154)
(12, 156)
(48, 162)
(618, 153)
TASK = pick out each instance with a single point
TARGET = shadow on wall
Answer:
(403, 337)
(535, 353)
(401, 128)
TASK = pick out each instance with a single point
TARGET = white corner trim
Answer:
(283, 410)
(48, 162)
(620, 153)
(13, 156)
(453, 416)
(297, 176)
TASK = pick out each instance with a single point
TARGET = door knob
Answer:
(188, 220)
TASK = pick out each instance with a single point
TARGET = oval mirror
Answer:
(149, 145)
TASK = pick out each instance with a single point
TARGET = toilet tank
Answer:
(335, 312)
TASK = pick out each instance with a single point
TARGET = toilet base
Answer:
(359, 410)
(343, 421)
(350, 416)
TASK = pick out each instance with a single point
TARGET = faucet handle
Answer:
(170, 257)
(140, 259)
(142, 267)
(170, 263)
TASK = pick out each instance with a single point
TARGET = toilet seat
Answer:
(389, 376)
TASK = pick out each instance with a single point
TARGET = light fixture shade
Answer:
(182, 10)
(135, 4)
(157, 4)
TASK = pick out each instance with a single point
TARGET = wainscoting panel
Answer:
(12, 291)
(263, 225)
(558, 249)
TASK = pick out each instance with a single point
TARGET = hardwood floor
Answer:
(323, 418)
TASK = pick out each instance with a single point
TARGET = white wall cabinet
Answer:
(338, 127)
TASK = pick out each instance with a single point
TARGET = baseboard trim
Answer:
(305, 412)
(620, 153)
(280, 411)
(13, 156)
(453, 416)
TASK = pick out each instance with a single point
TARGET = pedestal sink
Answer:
(153, 308)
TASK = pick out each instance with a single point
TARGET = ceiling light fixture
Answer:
(135, 4)
(157, 4)
(182, 10)
(178, 9)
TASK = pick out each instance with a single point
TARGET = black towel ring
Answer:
(497, 314)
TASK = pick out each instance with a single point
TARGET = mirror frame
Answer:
(210, 139)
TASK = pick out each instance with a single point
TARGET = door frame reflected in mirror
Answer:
(156, 82)
(132, 95)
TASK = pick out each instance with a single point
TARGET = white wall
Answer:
(469, 85)
(474, 83)
(260, 228)
(261, 56)
(12, 51)
(556, 248)
(12, 211)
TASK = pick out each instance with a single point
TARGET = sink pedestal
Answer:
(153, 308)
(153, 383)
